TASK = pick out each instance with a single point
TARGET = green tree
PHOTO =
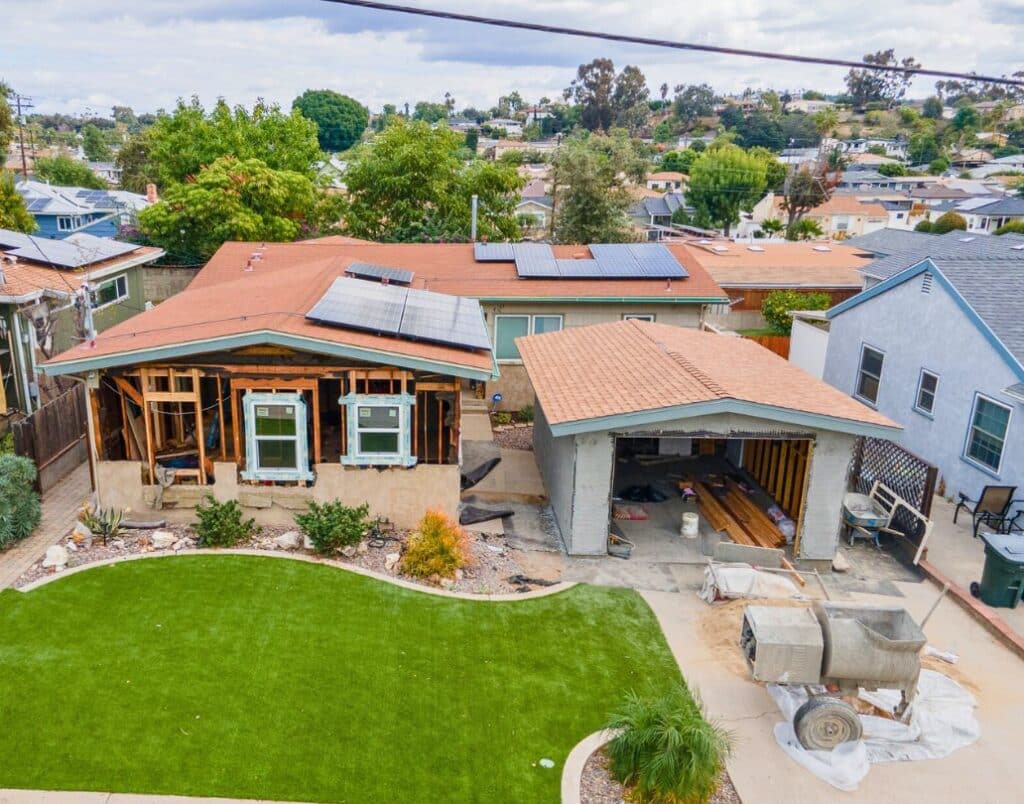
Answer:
(777, 304)
(923, 226)
(95, 144)
(964, 119)
(724, 181)
(693, 101)
(13, 215)
(137, 169)
(471, 140)
(774, 170)
(679, 161)
(932, 108)
(938, 166)
(761, 129)
(923, 147)
(6, 119)
(892, 169)
(591, 199)
(880, 86)
(772, 226)
(826, 120)
(665, 131)
(340, 120)
(410, 184)
(183, 142)
(806, 189)
(629, 99)
(233, 199)
(948, 222)
(429, 112)
(64, 171)
(1013, 227)
(804, 229)
(593, 89)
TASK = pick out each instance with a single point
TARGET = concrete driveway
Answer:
(987, 771)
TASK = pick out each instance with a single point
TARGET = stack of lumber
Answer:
(718, 516)
(739, 517)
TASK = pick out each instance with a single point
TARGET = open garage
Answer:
(640, 423)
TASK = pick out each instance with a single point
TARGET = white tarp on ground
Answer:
(941, 721)
(732, 581)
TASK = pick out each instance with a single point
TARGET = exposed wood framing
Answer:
(778, 465)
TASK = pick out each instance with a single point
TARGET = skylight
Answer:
(822, 248)
(755, 248)
(966, 239)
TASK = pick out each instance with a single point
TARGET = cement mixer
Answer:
(841, 647)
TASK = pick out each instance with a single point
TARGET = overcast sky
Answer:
(74, 55)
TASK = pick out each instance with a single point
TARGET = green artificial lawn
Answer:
(261, 678)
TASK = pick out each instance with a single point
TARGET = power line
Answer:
(666, 43)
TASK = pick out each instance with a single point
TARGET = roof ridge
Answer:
(683, 361)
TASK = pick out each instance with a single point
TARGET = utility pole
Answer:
(22, 102)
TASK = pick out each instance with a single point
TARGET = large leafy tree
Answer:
(591, 199)
(64, 171)
(693, 101)
(629, 99)
(6, 119)
(13, 214)
(760, 129)
(409, 184)
(137, 169)
(95, 144)
(593, 90)
(724, 181)
(807, 188)
(181, 143)
(233, 199)
(880, 86)
(340, 120)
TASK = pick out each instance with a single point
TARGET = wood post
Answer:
(147, 417)
(222, 435)
(200, 439)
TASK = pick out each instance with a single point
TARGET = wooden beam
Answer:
(147, 418)
(124, 425)
(127, 388)
(236, 423)
(169, 396)
(94, 403)
(222, 436)
(316, 422)
(804, 485)
(197, 399)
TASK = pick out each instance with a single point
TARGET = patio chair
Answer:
(991, 508)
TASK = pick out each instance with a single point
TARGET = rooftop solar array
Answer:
(75, 251)
(380, 273)
(493, 252)
(607, 261)
(403, 312)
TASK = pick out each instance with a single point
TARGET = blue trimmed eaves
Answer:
(261, 338)
(926, 265)
(815, 421)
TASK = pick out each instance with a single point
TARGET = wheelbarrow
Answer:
(841, 648)
(865, 518)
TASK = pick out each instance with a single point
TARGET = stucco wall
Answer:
(162, 282)
(918, 330)
(555, 459)
(594, 459)
(807, 347)
(514, 385)
(399, 495)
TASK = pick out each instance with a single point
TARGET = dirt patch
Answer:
(598, 787)
(516, 436)
(493, 561)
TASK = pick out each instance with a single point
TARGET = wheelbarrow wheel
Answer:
(975, 588)
(823, 723)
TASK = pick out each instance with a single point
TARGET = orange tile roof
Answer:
(24, 278)
(842, 204)
(252, 302)
(666, 175)
(451, 268)
(774, 264)
(625, 367)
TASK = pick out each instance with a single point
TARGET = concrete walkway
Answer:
(981, 773)
(60, 507)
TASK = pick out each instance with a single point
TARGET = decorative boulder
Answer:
(391, 561)
(289, 540)
(162, 539)
(307, 543)
(348, 551)
(81, 534)
(56, 557)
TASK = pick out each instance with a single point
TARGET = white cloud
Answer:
(95, 53)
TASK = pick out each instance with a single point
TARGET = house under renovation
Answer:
(638, 423)
(274, 387)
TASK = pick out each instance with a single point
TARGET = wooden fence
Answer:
(911, 477)
(54, 437)
(774, 343)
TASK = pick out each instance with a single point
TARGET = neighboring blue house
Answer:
(937, 344)
(62, 211)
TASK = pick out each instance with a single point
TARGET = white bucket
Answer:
(690, 525)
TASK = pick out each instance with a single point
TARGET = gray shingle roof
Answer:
(1011, 205)
(898, 249)
(992, 289)
(658, 205)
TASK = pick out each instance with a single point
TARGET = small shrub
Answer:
(103, 522)
(220, 523)
(332, 525)
(776, 303)
(439, 547)
(923, 226)
(19, 504)
(667, 750)
(502, 418)
(526, 413)
(948, 222)
(7, 443)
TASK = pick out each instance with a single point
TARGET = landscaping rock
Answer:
(56, 557)
(183, 544)
(348, 551)
(162, 539)
(391, 561)
(840, 563)
(459, 575)
(289, 540)
(363, 547)
(72, 546)
(307, 543)
(82, 535)
(117, 544)
(448, 584)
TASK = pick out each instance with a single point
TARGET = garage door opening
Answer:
(746, 490)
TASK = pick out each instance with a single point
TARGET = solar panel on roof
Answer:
(493, 252)
(37, 204)
(359, 305)
(637, 261)
(578, 269)
(535, 260)
(451, 320)
(364, 270)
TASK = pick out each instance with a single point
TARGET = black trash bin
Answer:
(1002, 580)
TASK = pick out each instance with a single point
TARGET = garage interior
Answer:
(747, 490)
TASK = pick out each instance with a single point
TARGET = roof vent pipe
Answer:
(472, 227)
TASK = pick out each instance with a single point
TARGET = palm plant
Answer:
(666, 749)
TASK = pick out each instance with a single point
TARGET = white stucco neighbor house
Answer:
(695, 407)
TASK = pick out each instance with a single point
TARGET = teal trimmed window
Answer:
(509, 327)
(986, 436)
(276, 438)
(378, 429)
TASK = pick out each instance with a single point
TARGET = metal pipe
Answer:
(23, 368)
(472, 226)
(935, 605)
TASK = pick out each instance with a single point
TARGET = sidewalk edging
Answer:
(985, 615)
(504, 597)
(572, 771)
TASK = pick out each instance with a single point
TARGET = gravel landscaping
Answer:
(514, 436)
(493, 562)
(598, 787)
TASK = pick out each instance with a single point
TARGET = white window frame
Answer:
(65, 223)
(531, 329)
(253, 470)
(354, 456)
(120, 282)
(970, 430)
(920, 386)
(649, 317)
(860, 372)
